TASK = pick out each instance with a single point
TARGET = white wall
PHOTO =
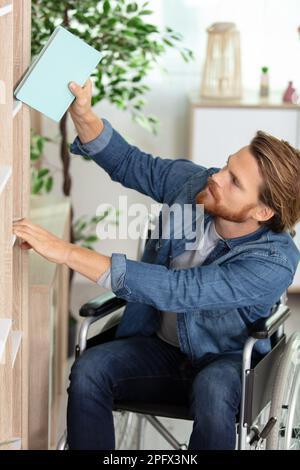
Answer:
(268, 30)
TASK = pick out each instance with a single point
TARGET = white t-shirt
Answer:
(187, 259)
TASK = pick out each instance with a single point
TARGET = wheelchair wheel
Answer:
(285, 404)
(126, 430)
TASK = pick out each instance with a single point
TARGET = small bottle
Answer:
(264, 82)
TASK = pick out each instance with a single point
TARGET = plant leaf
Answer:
(37, 186)
(106, 7)
(42, 172)
(91, 239)
(49, 184)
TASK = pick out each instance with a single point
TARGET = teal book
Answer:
(64, 58)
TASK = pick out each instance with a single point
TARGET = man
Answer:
(182, 334)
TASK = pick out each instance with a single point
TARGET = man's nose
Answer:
(217, 179)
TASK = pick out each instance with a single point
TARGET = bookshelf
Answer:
(15, 19)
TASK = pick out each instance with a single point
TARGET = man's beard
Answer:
(213, 206)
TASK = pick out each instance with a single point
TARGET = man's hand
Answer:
(43, 242)
(82, 106)
(87, 124)
(87, 262)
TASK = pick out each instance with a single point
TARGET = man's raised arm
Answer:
(153, 176)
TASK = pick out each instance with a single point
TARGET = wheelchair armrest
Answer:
(95, 310)
(265, 327)
(101, 305)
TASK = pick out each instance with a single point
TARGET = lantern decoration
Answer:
(222, 68)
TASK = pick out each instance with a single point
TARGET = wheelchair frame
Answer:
(257, 382)
(257, 386)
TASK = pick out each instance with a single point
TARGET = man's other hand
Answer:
(87, 123)
(82, 105)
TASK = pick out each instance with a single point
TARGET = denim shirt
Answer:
(238, 283)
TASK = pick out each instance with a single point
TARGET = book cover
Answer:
(63, 59)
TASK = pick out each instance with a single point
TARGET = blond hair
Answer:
(279, 164)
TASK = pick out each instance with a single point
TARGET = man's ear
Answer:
(263, 213)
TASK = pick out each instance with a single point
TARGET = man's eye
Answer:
(235, 182)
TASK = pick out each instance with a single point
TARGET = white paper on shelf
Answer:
(16, 337)
(17, 105)
(15, 443)
(5, 326)
(6, 9)
(5, 173)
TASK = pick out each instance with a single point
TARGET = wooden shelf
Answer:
(250, 99)
(5, 174)
(6, 9)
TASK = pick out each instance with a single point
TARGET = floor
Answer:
(82, 292)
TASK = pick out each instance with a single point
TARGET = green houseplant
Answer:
(131, 47)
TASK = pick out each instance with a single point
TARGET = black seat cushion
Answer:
(155, 409)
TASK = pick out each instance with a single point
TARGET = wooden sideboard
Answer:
(220, 128)
(48, 326)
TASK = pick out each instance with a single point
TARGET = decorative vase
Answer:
(290, 95)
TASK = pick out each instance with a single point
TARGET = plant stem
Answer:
(65, 156)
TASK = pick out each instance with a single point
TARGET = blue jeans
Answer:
(147, 369)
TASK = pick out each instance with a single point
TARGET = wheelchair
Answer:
(269, 416)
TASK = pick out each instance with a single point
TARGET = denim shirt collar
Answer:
(233, 242)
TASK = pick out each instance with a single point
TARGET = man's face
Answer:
(232, 193)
